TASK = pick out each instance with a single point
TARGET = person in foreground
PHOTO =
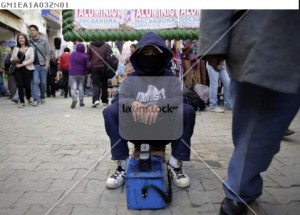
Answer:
(265, 72)
(150, 62)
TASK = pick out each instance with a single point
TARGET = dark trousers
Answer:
(23, 78)
(51, 88)
(260, 119)
(65, 73)
(119, 147)
(100, 84)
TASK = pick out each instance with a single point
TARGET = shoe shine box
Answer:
(136, 180)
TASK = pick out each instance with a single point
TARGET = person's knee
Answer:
(110, 112)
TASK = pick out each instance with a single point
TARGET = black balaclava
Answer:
(151, 65)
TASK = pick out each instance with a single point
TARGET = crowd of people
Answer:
(40, 74)
(254, 89)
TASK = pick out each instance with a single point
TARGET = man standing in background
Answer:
(97, 52)
(41, 64)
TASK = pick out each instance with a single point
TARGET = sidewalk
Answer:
(45, 150)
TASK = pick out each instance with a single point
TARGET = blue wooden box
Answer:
(136, 180)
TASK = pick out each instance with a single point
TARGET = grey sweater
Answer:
(43, 46)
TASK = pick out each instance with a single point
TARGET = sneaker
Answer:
(15, 100)
(81, 104)
(73, 105)
(21, 105)
(35, 103)
(178, 176)
(43, 101)
(29, 101)
(216, 109)
(228, 108)
(117, 179)
(96, 103)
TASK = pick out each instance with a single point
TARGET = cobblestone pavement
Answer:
(46, 150)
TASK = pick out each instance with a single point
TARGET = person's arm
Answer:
(213, 39)
(87, 64)
(14, 58)
(59, 63)
(47, 48)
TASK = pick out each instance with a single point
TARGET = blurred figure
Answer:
(214, 77)
(11, 81)
(98, 52)
(41, 64)
(51, 88)
(23, 57)
(64, 63)
(79, 65)
(265, 82)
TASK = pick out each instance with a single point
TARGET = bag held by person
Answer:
(112, 65)
(11, 69)
(12, 66)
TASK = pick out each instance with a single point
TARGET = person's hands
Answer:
(19, 65)
(215, 61)
(47, 64)
(138, 111)
(151, 114)
(15, 60)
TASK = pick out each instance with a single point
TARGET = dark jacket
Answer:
(262, 49)
(79, 61)
(53, 67)
(97, 49)
(156, 90)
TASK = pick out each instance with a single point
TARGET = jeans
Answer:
(213, 86)
(260, 119)
(77, 82)
(39, 77)
(120, 151)
(65, 73)
(2, 87)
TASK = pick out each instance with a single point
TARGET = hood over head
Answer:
(151, 65)
(80, 47)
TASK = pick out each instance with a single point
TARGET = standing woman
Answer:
(23, 57)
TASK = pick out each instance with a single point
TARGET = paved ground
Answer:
(46, 150)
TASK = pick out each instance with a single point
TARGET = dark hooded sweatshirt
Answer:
(97, 49)
(160, 88)
(79, 61)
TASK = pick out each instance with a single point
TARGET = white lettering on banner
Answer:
(98, 19)
(97, 13)
(155, 13)
(155, 19)
(137, 18)
(189, 18)
(98, 23)
(189, 12)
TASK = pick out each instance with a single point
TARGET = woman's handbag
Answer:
(11, 69)
(12, 66)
